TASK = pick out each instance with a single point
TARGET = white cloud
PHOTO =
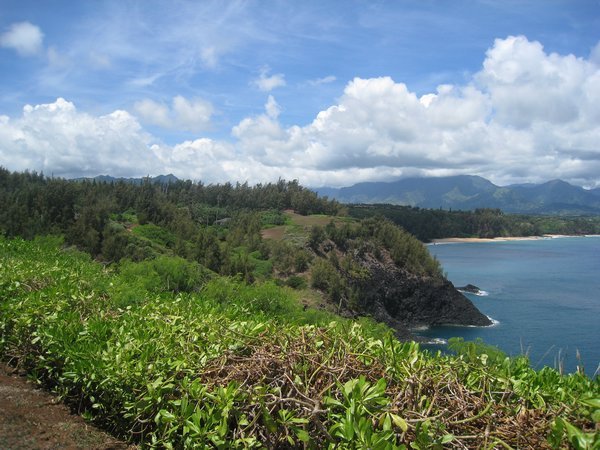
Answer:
(267, 83)
(23, 37)
(186, 115)
(325, 80)
(272, 108)
(526, 85)
(56, 138)
(192, 115)
(595, 54)
(526, 116)
(153, 112)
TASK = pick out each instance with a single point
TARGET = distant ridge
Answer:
(159, 179)
(467, 192)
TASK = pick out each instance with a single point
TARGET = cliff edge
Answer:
(398, 297)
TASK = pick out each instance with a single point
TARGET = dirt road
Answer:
(32, 419)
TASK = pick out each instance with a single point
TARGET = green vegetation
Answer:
(213, 361)
(428, 224)
(182, 315)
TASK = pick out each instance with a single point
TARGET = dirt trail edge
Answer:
(33, 419)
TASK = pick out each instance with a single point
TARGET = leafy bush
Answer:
(230, 367)
(272, 218)
(296, 282)
(156, 234)
(163, 274)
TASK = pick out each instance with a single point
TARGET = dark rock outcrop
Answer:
(469, 288)
(403, 300)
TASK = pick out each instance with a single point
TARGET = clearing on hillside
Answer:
(298, 226)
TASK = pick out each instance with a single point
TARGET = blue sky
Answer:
(329, 92)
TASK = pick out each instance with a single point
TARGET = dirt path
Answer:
(32, 419)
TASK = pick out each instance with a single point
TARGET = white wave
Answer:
(479, 293)
(494, 321)
(436, 341)
(420, 328)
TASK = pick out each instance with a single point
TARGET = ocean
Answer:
(544, 296)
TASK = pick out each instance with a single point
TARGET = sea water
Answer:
(543, 295)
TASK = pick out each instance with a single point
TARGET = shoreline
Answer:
(457, 240)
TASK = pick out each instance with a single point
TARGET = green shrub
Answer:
(156, 234)
(296, 282)
(234, 366)
(136, 281)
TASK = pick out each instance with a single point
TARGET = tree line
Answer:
(91, 214)
(428, 224)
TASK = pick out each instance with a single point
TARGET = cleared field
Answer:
(298, 226)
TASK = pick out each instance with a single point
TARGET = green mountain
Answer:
(467, 192)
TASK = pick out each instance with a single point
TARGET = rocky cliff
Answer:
(404, 300)
(397, 297)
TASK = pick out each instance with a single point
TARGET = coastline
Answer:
(456, 240)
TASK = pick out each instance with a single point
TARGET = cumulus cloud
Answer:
(153, 112)
(527, 115)
(266, 82)
(527, 86)
(56, 138)
(23, 37)
(186, 115)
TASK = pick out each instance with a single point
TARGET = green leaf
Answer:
(399, 422)
(164, 416)
(578, 438)
(447, 438)
(303, 435)
(387, 422)
(593, 402)
(348, 426)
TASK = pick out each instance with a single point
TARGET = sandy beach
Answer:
(502, 239)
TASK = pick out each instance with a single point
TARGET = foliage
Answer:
(428, 224)
(155, 233)
(164, 274)
(296, 282)
(34, 204)
(238, 366)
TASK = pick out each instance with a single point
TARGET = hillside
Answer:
(429, 224)
(221, 230)
(373, 268)
(230, 316)
(232, 365)
(471, 192)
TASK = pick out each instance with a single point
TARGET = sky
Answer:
(327, 92)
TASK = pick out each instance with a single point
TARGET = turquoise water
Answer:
(545, 295)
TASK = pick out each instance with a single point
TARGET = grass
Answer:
(238, 366)
(297, 227)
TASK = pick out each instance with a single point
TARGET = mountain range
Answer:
(467, 192)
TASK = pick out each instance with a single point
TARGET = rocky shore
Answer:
(406, 301)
